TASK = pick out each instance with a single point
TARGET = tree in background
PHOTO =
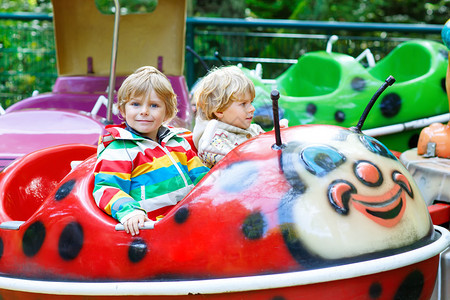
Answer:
(384, 11)
(36, 6)
(23, 71)
(376, 11)
(27, 53)
(217, 8)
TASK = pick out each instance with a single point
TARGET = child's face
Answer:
(145, 115)
(239, 113)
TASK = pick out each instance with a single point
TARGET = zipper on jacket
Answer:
(175, 164)
(142, 192)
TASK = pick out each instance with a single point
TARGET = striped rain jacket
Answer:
(136, 175)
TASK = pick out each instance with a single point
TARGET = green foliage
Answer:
(210, 40)
(218, 8)
(36, 6)
(126, 6)
(387, 11)
(27, 57)
(27, 53)
(268, 9)
(376, 11)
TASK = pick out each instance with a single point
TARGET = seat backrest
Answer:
(406, 62)
(26, 184)
(314, 74)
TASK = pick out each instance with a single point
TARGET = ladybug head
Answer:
(350, 195)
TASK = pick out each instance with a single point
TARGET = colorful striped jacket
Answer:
(136, 175)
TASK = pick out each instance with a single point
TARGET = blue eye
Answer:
(376, 147)
(320, 159)
(154, 105)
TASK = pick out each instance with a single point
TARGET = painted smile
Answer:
(386, 209)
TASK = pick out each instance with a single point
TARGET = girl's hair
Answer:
(141, 83)
(219, 88)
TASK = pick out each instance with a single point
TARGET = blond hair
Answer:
(219, 88)
(141, 83)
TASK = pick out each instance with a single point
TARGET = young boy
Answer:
(224, 113)
(143, 167)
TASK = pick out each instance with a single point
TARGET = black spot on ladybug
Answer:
(390, 105)
(413, 140)
(64, 190)
(33, 238)
(311, 108)
(339, 116)
(254, 226)
(411, 287)
(278, 298)
(1, 247)
(181, 215)
(71, 241)
(358, 84)
(375, 290)
(137, 250)
(443, 86)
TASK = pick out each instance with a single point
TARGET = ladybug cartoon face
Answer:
(350, 196)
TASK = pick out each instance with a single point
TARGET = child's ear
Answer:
(166, 118)
(219, 115)
(122, 112)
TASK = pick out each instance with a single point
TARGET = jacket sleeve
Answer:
(112, 184)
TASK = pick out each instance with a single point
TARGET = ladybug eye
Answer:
(320, 160)
(376, 147)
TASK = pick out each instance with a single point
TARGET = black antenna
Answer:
(388, 82)
(275, 95)
(202, 62)
(219, 57)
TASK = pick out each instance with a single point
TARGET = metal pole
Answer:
(112, 72)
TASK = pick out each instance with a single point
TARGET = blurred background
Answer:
(221, 32)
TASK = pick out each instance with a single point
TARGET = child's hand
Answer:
(131, 225)
(284, 123)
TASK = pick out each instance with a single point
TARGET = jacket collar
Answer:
(125, 132)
